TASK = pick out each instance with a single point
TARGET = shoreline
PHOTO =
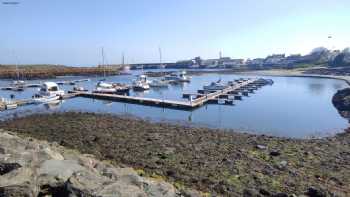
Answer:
(209, 160)
(294, 73)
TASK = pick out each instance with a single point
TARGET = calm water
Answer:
(292, 107)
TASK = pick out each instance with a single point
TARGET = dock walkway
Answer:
(186, 105)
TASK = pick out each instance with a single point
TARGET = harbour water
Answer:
(292, 107)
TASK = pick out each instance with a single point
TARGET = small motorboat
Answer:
(18, 83)
(141, 83)
(177, 77)
(79, 89)
(121, 88)
(108, 88)
(38, 99)
(214, 86)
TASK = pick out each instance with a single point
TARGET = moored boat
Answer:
(177, 77)
(141, 83)
(48, 92)
(214, 86)
(111, 88)
(37, 98)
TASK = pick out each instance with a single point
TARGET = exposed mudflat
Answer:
(210, 160)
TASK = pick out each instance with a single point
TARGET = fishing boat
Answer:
(214, 86)
(141, 83)
(48, 92)
(158, 84)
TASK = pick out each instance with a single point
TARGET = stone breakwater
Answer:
(29, 167)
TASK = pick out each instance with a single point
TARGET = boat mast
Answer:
(16, 65)
(103, 62)
(160, 57)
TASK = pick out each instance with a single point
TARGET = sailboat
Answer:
(19, 84)
(103, 65)
(156, 83)
(125, 68)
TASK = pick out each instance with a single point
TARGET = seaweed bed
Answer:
(213, 161)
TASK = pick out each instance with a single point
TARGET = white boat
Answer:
(214, 86)
(48, 92)
(183, 77)
(18, 83)
(141, 83)
(8, 104)
(49, 89)
(178, 77)
(158, 84)
(38, 99)
(79, 88)
(108, 88)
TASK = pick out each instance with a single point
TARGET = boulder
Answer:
(8, 167)
(29, 167)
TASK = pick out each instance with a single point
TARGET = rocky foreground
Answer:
(215, 162)
(29, 167)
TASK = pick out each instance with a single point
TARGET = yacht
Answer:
(141, 83)
(48, 92)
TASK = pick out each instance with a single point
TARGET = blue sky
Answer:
(73, 32)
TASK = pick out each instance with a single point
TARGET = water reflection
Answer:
(53, 105)
(316, 88)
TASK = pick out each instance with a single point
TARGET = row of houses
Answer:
(317, 56)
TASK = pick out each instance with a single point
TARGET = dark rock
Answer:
(8, 167)
(16, 191)
(2, 150)
(341, 101)
(250, 193)
(264, 192)
(47, 190)
(280, 195)
(314, 192)
(170, 173)
(275, 153)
